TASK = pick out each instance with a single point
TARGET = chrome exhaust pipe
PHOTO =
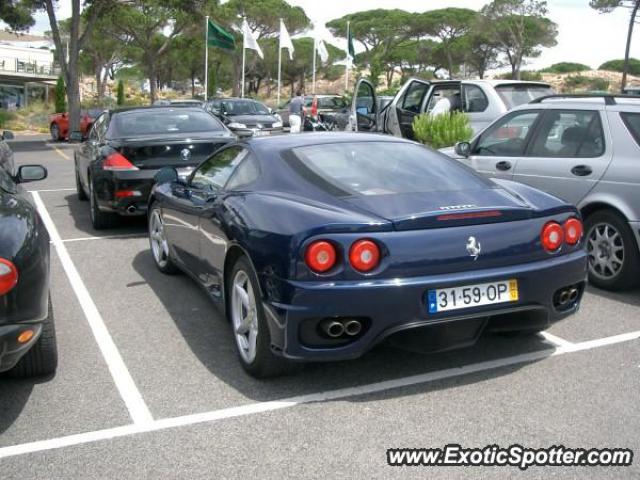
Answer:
(333, 329)
(131, 209)
(564, 297)
(573, 294)
(353, 327)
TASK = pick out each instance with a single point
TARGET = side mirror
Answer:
(166, 175)
(7, 135)
(463, 149)
(31, 173)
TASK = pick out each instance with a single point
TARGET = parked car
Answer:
(245, 117)
(320, 246)
(115, 167)
(583, 149)
(185, 102)
(482, 100)
(59, 124)
(27, 332)
(332, 109)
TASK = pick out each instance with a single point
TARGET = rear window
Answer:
(162, 120)
(381, 168)
(332, 102)
(518, 94)
(632, 121)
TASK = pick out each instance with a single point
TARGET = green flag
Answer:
(219, 37)
(350, 49)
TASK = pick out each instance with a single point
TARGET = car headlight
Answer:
(278, 117)
(276, 125)
(236, 125)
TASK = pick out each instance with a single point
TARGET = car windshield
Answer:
(245, 107)
(159, 121)
(381, 168)
(514, 95)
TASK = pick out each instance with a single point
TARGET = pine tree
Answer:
(120, 93)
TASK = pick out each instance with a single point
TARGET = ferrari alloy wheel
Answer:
(55, 132)
(612, 251)
(248, 321)
(159, 243)
(244, 316)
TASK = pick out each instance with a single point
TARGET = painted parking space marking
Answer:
(331, 395)
(106, 237)
(130, 394)
(54, 190)
(556, 341)
(59, 152)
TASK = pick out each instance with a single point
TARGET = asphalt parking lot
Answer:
(149, 386)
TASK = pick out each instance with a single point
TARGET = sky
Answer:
(584, 35)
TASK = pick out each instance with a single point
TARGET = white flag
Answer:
(285, 40)
(249, 40)
(322, 50)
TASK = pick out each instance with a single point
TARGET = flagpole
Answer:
(279, 63)
(244, 50)
(346, 85)
(313, 82)
(206, 58)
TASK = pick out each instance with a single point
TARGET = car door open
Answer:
(364, 108)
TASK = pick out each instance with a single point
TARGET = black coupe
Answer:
(27, 333)
(115, 167)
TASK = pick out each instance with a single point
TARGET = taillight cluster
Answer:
(117, 161)
(554, 235)
(321, 256)
(8, 276)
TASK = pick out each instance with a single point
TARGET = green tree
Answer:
(120, 93)
(481, 50)
(150, 27)
(18, 14)
(60, 100)
(632, 66)
(606, 6)
(449, 25)
(566, 67)
(520, 28)
(380, 32)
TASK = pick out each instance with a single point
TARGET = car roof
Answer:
(585, 103)
(286, 142)
(155, 108)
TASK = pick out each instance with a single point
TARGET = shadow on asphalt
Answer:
(630, 297)
(82, 219)
(209, 336)
(14, 395)
(30, 145)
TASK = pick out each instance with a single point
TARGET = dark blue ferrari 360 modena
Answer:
(320, 246)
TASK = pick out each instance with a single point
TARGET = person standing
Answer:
(296, 106)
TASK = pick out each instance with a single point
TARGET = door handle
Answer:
(504, 165)
(582, 170)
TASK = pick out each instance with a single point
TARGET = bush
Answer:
(6, 117)
(566, 67)
(120, 93)
(580, 82)
(526, 75)
(617, 66)
(442, 130)
(61, 96)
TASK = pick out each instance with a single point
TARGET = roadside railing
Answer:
(31, 67)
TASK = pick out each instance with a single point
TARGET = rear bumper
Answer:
(391, 306)
(11, 351)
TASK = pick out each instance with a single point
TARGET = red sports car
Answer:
(59, 124)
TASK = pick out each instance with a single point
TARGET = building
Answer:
(27, 69)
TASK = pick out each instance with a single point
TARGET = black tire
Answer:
(54, 130)
(265, 364)
(82, 195)
(42, 358)
(99, 219)
(168, 267)
(628, 275)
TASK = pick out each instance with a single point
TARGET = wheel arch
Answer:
(234, 252)
(592, 207)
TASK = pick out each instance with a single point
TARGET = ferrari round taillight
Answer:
(8, 276)
(572, 231)
(320, 256)
(552, 236)
(364, 255)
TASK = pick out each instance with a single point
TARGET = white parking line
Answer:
(54, 190)
(138, 410)
(556, 341)
(106, 237)
(226, 413)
